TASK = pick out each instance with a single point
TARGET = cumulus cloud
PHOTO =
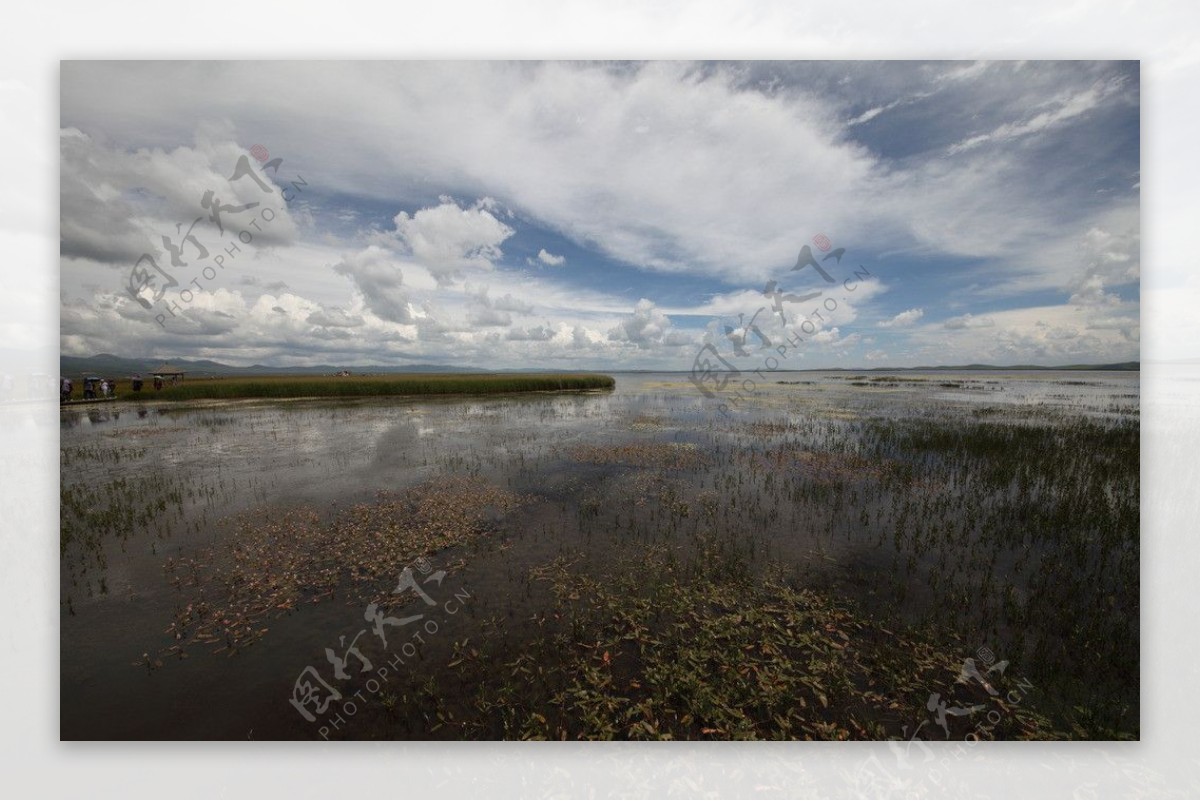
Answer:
(903, 319)
(380, 282)
(832, 338)
(538, 333)
(486, 311)
(1129, 326)
(447, 238)
(968, 321)
(549, 258)
(1090, 292)
(507, 302)
(489, 317)
(335, 318)
(582, 338)
(1047, 335)
(1111, 258)
(118, 204)
(97, 222)
(645, 328)
(269, 286)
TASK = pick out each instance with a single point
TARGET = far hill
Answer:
(106, 364)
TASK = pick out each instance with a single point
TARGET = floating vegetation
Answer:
(666, 455)
(295, 556)
(670, 648)
(647, 422)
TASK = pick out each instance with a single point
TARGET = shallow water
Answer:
(812, 474)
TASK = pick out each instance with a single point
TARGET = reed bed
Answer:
(421, 384)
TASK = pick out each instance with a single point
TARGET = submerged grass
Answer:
(665, 648)
(296, 386)
(273, 565)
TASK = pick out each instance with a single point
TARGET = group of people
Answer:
(101, 388)
(93, 389)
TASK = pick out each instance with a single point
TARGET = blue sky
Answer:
(603, 215)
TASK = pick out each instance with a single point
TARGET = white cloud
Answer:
(562, 141)
(1046, 335)
(582, 338)
(669, 167)
(489, 317)
(508, 303)
(904, 318)
(539, 333)
(646, 327)
(448, 238)
(968, 321)
(546, 257)
(1061, 110)
(380, 281)
(872, 113)
(1111, 258)
(832, 338)
(335, 318)
(118, 204)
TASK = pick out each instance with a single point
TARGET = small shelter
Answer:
(165, 372)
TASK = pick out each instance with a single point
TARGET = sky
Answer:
(601, 215)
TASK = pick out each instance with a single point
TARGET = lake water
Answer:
(999, 506)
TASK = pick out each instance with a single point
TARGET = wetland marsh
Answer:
(627, 563)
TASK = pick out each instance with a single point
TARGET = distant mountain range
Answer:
(108, 365)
